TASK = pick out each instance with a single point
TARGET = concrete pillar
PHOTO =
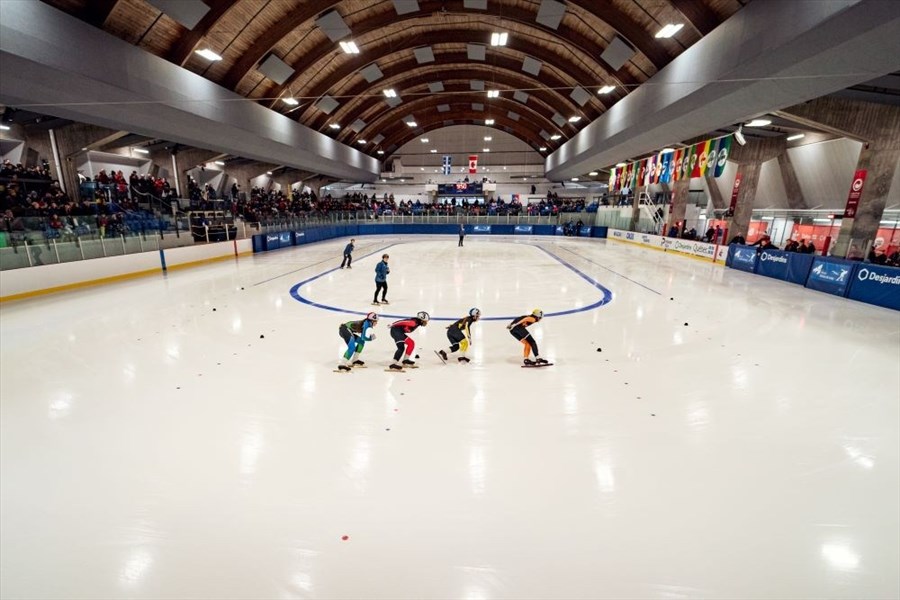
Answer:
(636, 208)
(791, 183)
(715, 194)
(878, 127)
(70, 139)
(750, 159)
(185, 160)
(680, 194)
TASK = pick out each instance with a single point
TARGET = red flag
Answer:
(859, 179)
(473, 163)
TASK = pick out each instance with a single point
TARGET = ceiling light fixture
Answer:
(669, 30)
(390, 93)
(493, 93)
(796, 136)
(593, 174)
(141, 150)
(542, 149)
(208, 54)
(758, 123)
(489, 122)
(486, 150)
(350, 47)
(381, 152)
(424, 140)
(290, 101)
(4, 127)
(412, 124)
(361, 141)
(574, 119)
(335, 126)
(488, 138)
(499, 39)
(574, 179)
(621, 165)
(433, 151)
(220, 163)
(555, 136)
(268, 172)
(606, 89)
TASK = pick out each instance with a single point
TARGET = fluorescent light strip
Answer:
(4, 127)
(412, 124)
(350, 47)
(290, 101)
(593, 174)
(758, 123)
(669, 30)
(574, 119)
(486, 149)
(555, 136)
(141, 150)
(488, 138)
(424, 140)
(542, 149)
(499, 39)
(335, 126)
(797, 136)
(208, 54)
(220, 163)
(606, 89)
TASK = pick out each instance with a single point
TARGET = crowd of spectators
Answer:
(128, 193)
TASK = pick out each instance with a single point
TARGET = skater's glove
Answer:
(371, 336)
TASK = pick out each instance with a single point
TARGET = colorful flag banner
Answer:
(473, 163)
(722, 155)
(664, 160)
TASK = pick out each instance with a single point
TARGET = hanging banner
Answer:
(722, 155)
(695, 160)
(633, 177)
(612, 180)
(665, 160)
(671, 167)
(679, 162)
(473, 163)
(447, 168)
(702, 156)
(735, 191)
(710, 167)
(856, 188)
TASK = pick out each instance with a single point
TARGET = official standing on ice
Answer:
(348, 252)
(462, 234)
(381, 273)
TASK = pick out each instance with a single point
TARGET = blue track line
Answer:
(611, 271)
(605, 299)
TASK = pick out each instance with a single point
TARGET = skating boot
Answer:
(395, 367)
(463, 359)
(442, 354)
(344, 368)
(358, 363)
(529, 362)
(408, 363)
(541, 361)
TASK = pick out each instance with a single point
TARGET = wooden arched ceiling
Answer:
(245, 32)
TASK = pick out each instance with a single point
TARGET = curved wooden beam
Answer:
(97, 11)
(425, 108)
(642, 40)
(698, 14)
(463, 96)
(565, 36)
(397, 136)
(182, 50)
(456, 79)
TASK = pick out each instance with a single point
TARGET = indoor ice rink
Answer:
(704, 433)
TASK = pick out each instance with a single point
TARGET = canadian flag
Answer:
(473, 163)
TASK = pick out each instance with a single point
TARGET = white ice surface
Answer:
(151, 447)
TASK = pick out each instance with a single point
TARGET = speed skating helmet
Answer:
(423, 316)
(372, 317)
(537, 313)
(475, 313)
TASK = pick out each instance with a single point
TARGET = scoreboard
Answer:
(460, 188)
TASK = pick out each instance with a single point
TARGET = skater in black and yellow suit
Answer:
(518, 329)
(460, 337)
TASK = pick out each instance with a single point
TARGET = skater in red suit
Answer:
(400, 331)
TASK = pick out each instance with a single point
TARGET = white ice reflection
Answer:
(236, 324)
(135, 567)
(60, 407)
(360, 459)
(840, 557)
(859, 457)
(251, 448)
(477, 469)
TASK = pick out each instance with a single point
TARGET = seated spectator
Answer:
(738, 239)
(877, 256)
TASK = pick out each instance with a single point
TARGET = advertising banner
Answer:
(735, 192)
(859, 179)
(877, 285)
(773, 263)
(481, 229)
(743, 258)
(524, 229)
(830, 275)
